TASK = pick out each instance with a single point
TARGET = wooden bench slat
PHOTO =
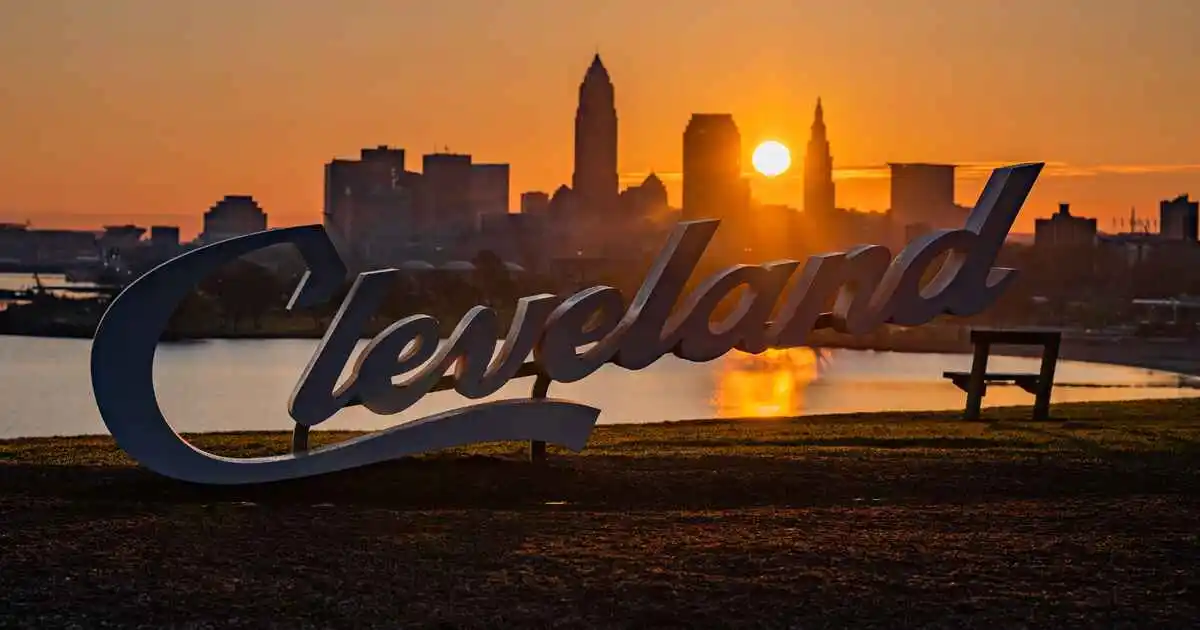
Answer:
(1027, 382)
(1016, 337)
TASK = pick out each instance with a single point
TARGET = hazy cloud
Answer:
(970, 170)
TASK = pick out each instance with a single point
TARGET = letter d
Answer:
(967, 283)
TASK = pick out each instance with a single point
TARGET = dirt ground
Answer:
(914, 520)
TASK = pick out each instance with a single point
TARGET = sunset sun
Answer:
(771, 158)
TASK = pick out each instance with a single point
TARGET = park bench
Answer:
(975, 382)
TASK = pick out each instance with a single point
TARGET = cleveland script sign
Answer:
(569, 339)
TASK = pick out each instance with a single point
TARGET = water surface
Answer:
(227, 385)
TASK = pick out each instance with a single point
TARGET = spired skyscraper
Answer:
(818, 168)
(594, 182)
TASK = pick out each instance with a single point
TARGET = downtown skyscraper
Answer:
(594, 182)
(713, 186)
(818, 168)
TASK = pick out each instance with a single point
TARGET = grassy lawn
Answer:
(878, 520)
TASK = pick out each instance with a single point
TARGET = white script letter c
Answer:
(123, 381)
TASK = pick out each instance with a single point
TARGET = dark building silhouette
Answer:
(644, 200)
(371, 203)
(164, 236)
(713, 187)
(54, 246)
(562, 203)
(1064, 230)
(818, 168)
(489, 190)
(924, 194)
(653, 191)
(595, 179)
(913, 231)
(918, 189)
(655, 184)
(535, 203)
(232, 216)
(20, 245)
(1179, 218)
(120, 239)
(164, 241)
(447, 191)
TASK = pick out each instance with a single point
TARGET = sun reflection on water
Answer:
(766, 385)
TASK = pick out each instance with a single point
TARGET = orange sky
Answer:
(149, 111)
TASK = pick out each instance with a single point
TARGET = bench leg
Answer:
(975, 387)
(1041, 404)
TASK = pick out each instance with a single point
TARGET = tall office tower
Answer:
(818, 168)
(370, 202)
(1179, 218)
(595, 179)
(924, 193)
(713, 187)
(447, 192)
(489, 190)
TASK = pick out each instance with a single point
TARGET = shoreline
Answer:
(320, 436)
(1176, 356)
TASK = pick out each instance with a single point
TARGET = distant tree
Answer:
(403, 298)
(492, 277)
(323, 314)
(196, 312)
(451, 294)
(245, 290)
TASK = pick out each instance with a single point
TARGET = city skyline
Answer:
(157, 138)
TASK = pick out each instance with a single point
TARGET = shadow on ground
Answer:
(864, 521)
